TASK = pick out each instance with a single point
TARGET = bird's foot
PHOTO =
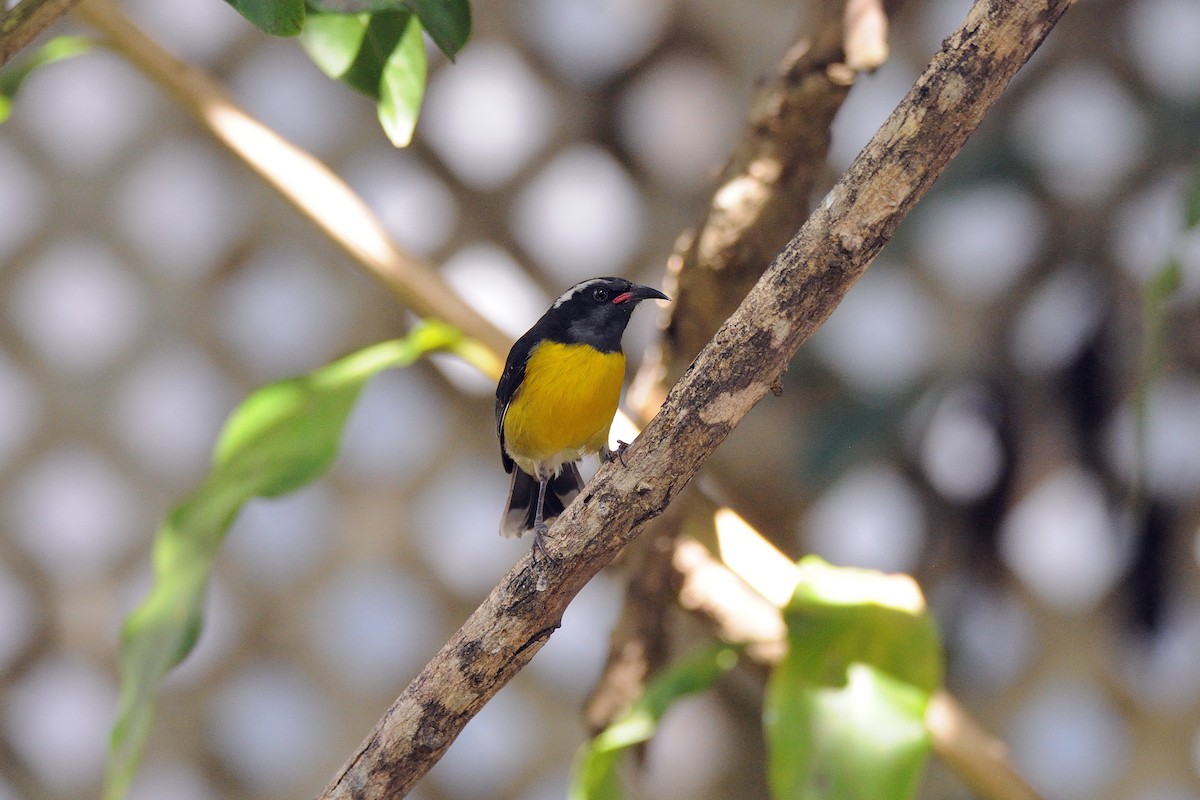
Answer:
(538, 553)
(618, 454)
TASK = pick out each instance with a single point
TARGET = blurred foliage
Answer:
(595, 775)
(844, 713)
(281, 438)
(845, 709)
(1191, 216)
(1156, 297)
(57, 49)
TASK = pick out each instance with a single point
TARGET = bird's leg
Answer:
(539, 525)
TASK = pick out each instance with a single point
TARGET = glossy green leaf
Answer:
(276, 17)
(282, 437)
(403, 87)
(13, 76)
(595, 771)
(845, 709)
(448, 22)
(333, 42)
(381, 55)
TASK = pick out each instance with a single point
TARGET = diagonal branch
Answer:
(762, 197)
(765, 188)
(733, 372)
(309, 185)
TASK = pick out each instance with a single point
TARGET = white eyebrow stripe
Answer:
(579, 287)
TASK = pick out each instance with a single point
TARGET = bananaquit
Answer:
(557, 398)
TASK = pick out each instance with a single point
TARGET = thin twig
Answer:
(21, 24)
(976, 756)
(734, 371)
(300, 178)
(745, 608)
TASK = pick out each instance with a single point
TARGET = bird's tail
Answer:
(523, 496)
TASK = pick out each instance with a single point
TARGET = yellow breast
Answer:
(564, 406)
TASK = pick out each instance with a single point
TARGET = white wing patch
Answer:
(579, 287)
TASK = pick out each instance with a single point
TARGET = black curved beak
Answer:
(637, 293)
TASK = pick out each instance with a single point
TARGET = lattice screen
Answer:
(147, 282)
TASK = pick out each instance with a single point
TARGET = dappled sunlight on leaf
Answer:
(845, 709)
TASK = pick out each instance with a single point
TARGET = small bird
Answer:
(558, 396)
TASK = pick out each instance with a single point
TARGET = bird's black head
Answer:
(595, 312)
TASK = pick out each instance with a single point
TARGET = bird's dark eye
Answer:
(599, 294)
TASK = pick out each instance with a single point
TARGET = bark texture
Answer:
(761, 198)
(764, 191)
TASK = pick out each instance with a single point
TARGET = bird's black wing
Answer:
(510, 382)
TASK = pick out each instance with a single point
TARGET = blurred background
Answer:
(969, 414)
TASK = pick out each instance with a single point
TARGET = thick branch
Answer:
(764, 191)
(22, 24)
(733, 372)
(762, 197)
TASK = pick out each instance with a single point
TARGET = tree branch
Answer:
(23, 23)
(975, 756)
(733, 372)
(762, 197)
(763, 194)
(301, 179)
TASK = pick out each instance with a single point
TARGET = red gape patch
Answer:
(621, 298)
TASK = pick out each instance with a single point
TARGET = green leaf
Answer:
(448, 22)
(57, 49)
(332, 41)
(61, 47)
(276, 17)
(381, 55)
(845, 708)
(282, 437)
(594, 776)
(403, 87)
(864, 741)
